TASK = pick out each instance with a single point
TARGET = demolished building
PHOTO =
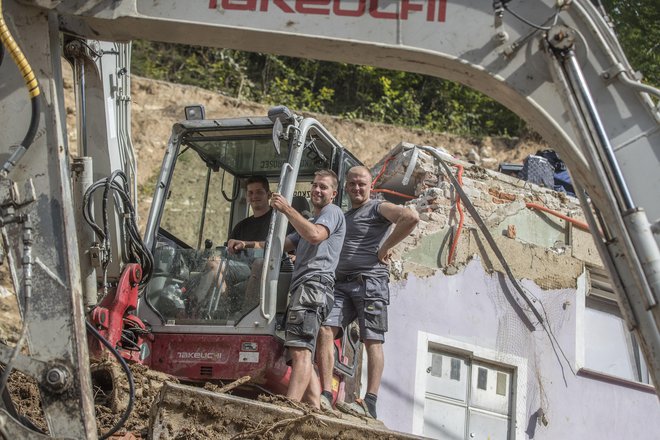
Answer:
(502, 321)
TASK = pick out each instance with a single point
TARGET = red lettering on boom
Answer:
(374, 12)
(280, 4)
(406, 7)
(442, 11)
(436, 10)
(359, 12)
(239, 5)
(307, 7)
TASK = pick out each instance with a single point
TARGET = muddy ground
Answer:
(109, 405)
(156, 106)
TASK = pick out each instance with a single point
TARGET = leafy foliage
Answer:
(371, 93)
(221, 70)
(636, 24)
(347, 90)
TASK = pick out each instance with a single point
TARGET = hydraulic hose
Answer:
(461, 214)
(491, 241)
(33, 89)
(27, 298)
(578, 224)
(129, 377)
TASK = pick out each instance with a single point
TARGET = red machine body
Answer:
(115, 320)
(205, 357)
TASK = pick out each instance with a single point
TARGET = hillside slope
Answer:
(158, 104)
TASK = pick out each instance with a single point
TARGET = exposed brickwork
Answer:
(499, 199)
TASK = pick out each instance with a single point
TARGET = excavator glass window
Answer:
(196, 281)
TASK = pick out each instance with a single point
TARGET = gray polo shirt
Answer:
(366, 229)
(320, 259)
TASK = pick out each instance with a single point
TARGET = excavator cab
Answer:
(213, 314)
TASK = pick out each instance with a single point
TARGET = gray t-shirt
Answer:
(366, 229)
(320, 259)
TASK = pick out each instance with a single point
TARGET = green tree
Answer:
(353, 91)
(637, 25)
(376, 94)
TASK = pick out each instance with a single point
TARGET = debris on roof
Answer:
(541, 232)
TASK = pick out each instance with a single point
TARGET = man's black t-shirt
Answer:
(252, 228)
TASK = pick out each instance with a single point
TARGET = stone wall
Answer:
(536, 245)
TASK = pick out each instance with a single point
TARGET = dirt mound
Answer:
(110, 398)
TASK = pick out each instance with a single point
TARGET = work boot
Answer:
(358, 408)
(326, 407)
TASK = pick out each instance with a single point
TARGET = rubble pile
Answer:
(412, 176)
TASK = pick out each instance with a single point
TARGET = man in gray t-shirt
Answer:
(317, 244)
(361, 287)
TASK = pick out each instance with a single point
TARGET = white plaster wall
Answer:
(469, 312)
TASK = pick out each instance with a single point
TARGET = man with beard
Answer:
(317, 243)
(361, 289)
(237, 277)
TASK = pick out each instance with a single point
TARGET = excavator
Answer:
(205, 320)
(557, 64)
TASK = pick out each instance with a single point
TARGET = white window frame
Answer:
(604, 293)
(428, 341)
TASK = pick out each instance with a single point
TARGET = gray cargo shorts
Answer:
(364, 298)
(309, 306)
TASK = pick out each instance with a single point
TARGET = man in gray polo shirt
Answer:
(361, 286)
(317, 244)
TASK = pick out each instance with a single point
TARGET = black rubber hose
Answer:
(34, 122)
(129, 376)
(490, 240)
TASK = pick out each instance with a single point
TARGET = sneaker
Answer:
(326, 407)
(357, 408)
(326, 404)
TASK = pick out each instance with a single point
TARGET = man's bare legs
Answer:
(312, 394)
(204, 288)
(252, 286)
(375, 365)
(303, 381)
(325, 355)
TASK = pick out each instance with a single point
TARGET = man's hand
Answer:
(235, 246)
(405, 220)
(279, 203)
(384, 255)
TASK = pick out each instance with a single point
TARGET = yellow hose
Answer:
(19, 58)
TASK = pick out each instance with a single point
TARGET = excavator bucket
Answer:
(182, 411)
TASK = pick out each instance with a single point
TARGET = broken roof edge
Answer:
(412, 176)
(394, 172)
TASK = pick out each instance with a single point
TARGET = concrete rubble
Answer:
(537, 245)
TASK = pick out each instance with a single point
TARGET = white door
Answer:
(466, 398)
